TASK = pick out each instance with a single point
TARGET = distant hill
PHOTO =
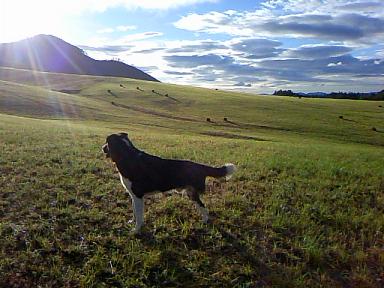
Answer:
(314, 94)
(51, 54)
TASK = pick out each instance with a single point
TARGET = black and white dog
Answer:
(141, 174)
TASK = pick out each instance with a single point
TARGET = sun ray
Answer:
(61, 108)
(65, 56)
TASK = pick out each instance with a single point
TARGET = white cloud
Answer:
(379, 53)
(335, 64)
(138, 36)
(299, 19)
(294, 5)
(159, 4)
(125, 28)
(105, 30)
(214, 23)
(120, 28)
(334, 7)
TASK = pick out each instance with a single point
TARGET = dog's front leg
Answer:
(138, 210)
(138, 204)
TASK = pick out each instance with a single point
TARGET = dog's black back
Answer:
(149, 173)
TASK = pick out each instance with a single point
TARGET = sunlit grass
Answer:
(293, 215)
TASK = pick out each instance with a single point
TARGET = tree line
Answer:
(336, 95)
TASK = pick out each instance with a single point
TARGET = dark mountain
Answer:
(51, 54)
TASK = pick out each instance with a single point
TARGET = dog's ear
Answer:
(123, 134)
(115, 152)
(115, 148)
(115, 156)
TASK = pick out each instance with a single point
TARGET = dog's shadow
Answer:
(200, 238)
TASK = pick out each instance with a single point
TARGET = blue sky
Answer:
(255, 46)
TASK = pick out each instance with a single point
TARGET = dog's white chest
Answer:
(126, 183)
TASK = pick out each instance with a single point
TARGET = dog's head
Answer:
(116, 146)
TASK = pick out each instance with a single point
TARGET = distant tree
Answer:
(284, 93)
(84, 52)
(357, 96)
(337, 95)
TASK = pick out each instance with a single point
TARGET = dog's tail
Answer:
(225, 171)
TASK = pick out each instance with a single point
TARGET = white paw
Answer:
(136, 230)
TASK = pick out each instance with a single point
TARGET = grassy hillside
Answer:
(186, 108)
(305, 208)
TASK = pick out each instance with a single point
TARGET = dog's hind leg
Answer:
(193, 194)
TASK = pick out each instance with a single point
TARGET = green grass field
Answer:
(304, 209)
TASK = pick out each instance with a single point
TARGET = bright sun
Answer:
(20, 19)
